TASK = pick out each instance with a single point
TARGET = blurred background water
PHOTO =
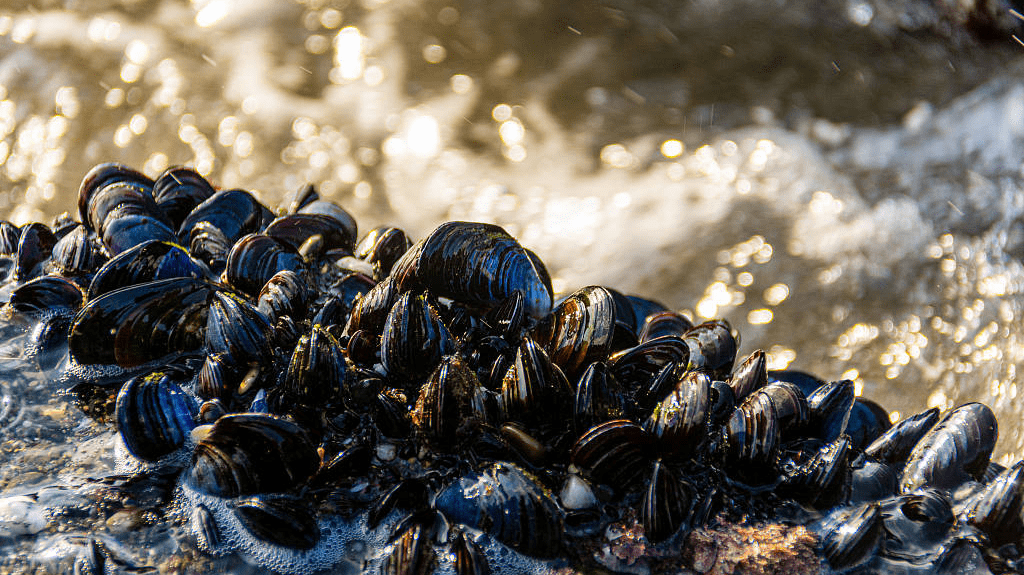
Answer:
(841, 180)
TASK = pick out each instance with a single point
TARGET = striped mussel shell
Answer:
(154, 416)
(317, 369)
(249, 453)
(580, 330)
(75, 255)
(414, 338)
(851, 535)
(476, 263)
(147, 262)
(178, 190)
(280, 519)
(666, 503)
(255, 258)
(614, 453)
(381, 247)
(509, 504)
(752, 438)
(955, 450)
(712, 347)
(447, 403)
(284, 294)
(680, 422)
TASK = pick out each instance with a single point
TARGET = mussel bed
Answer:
(290, 395)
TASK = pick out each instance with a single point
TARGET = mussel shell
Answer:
(868, 421)
(100, 176)
(297, 229)
(750, 376)
(75, 254)
(996, 509)
(316, 370)
(534, 387)
(469, 557)
(46, 295)
(9, 236)
(235, 328)
(280, 519)
(830, 409)
(128, 226)
(234, 212)
(476, 263)
(139, 324)
(371, 310)
(712, 347)
(510, 505)
(792, 408)
(146, 262)
(334, 211)
(580, 330)
(414, 338)
(178, 190)
(956, 450)
(599, 398)
(446, 402)
(849, 536)
(917, 524)
(411, 554)
(805, 381)
(381, 248)
(48, 341)
(635, 368)
(664, 323)
(895, 445)
(614, 453)
(154, 416)
(666, 504)
(255, 258)
(210, 245)
(872, 480)
(680, 422)
(752, 437)
(34, 247)
(821, 481)
(284, 294)
(249, 453)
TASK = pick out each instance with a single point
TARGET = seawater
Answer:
(842, 181)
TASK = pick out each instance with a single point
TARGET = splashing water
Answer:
(841, 181)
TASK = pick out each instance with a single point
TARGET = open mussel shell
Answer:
(534, 387)
(850, 535)
(447, 402)
(712, 347)
(154, 416)
(996, 509)
(47, 295)
(614, 453)
(250, 453)
(666, 504)
(956, 450)
(580, 330)
(895, 445)
(139, 324)
(680, 421)
(510, 505)
(234, 213)
(476, 263)
(146, 262)
(280, 519)
(316, 370)
(637, 367)
(255, 258)
(34, 247)
(178, 190)
(414, 338)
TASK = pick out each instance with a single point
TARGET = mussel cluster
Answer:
(299, 383)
